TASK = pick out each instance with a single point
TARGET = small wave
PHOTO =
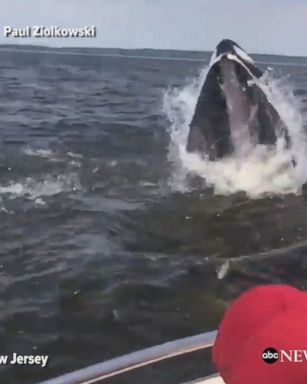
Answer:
(45, 153)
(262, 171)
(33, 189)
(75, 155)
(71, 158)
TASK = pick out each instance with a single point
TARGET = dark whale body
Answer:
(232, 113)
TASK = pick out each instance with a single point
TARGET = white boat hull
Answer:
(213, 380)
(209, 380)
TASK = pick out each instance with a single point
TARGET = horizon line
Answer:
(28, 45)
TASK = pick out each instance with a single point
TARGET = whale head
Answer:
(232, 114)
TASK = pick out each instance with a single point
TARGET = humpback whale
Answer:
(233, 114)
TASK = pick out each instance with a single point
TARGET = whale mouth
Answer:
(233, 80)
(233, 113)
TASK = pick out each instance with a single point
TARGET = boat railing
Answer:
(97, 372)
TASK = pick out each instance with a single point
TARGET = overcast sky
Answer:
(262, 26)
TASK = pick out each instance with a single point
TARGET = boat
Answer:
(98, 372)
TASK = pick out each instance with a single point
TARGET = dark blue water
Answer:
(98, 255)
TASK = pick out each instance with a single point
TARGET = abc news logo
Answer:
(271, 355)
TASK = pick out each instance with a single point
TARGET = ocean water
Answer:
(112, 237)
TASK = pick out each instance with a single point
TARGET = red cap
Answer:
(266, 316)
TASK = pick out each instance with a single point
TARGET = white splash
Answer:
(262, 171)
(34, 189)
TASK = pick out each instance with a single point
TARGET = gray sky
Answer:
(263, 26)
